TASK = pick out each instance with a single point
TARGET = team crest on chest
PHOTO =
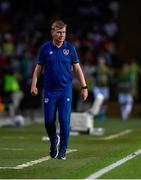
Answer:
(66, 51)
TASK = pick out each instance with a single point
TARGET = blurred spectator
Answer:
(114, 7)
(1, 104)
(12, 93)
(5, 6)
(8, 45)
(126, 88)
(101, 83)
(111, 28)
(135, 76)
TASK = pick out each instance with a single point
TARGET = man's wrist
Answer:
(84, 87)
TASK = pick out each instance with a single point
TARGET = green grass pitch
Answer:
(18, 146)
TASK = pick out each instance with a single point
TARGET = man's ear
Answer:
(52, 32)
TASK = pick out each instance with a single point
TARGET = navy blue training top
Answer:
(57, 64)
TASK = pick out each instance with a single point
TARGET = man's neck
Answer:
(57, 44)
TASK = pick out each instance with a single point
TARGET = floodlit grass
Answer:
(93, 154)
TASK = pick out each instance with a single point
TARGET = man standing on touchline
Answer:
(59, 58)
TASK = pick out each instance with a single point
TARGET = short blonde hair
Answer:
(58, 24)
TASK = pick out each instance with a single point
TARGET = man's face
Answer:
(59, 35)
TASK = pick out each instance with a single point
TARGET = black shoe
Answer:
(54, 148)
(61, 156)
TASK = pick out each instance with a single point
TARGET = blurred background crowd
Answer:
(93, 27)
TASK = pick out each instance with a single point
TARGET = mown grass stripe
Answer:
(34, 162)
(114, 165)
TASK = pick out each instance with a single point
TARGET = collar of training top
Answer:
(64, 45)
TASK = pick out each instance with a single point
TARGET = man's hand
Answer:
(84, 94)
(36, 74)
(34, 91)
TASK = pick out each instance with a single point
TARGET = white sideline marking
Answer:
(12, 149)
(31, 163)
(117, 135)
(114, 165)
